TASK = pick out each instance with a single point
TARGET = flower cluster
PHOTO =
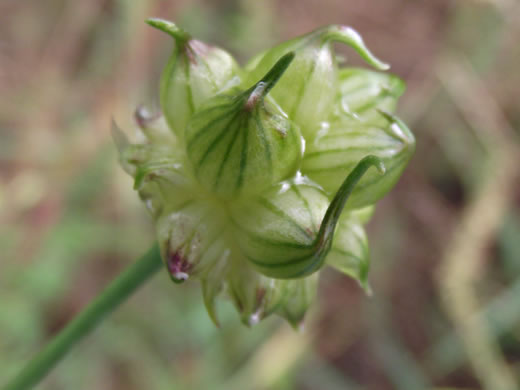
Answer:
(247, 171)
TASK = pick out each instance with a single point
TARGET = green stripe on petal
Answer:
(277, 231)
(333, 155)
(241, 142)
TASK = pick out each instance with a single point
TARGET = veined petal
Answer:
(349, 253)
(299, 295)
(213, 283)
(254, 295)
(334, 154)
(363, 92)
(195, 72)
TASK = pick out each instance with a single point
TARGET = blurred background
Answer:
(445, 313)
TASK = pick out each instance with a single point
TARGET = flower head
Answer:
(258, 177)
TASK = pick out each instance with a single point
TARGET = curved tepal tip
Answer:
(351, 37)
(169, 28)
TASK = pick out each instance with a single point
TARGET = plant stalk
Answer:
(116, 293)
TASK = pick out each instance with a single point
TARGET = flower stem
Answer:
(117, 292)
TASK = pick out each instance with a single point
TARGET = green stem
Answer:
(117, 292)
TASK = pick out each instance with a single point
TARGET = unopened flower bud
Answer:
(240, 142)
(192, 238)
(287, 232)
(308, 89)
(337, 151)
(241, 199)
(195, 72)
(254, 295)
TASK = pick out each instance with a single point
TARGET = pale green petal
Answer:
(363, 92)
(335, 153)
(350, 253)
(299, 295)
(287, 232)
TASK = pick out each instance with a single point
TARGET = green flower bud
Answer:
(192, 238)
(308, 89)
(195, 72)
(287, 231)
(336, 152)
(240, 142)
